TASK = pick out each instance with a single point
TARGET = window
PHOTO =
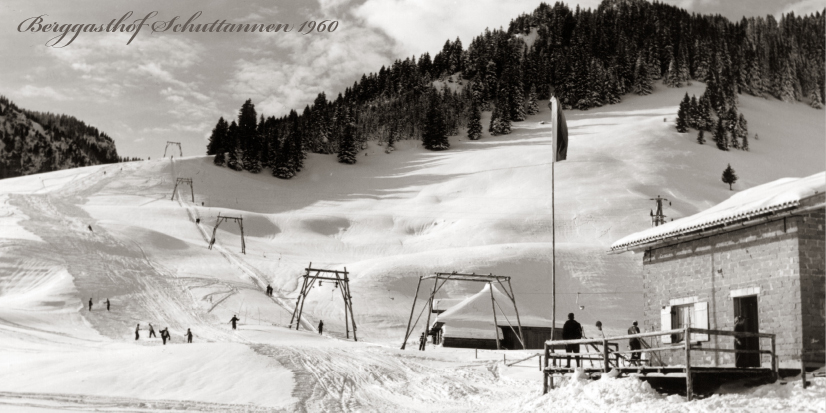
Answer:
(680, 317)
(680, 314)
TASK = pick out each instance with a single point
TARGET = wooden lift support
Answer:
(182, 181)
(454, 276)
(168, 144)
(239, 220)
(341, 279)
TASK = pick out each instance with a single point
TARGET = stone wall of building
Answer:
(764, 259)
(813, 281)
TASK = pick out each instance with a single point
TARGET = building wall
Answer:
(465, 342)
(813, 283)
(765, 256)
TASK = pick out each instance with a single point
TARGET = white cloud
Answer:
(44, 92)
(424, 25)
(308, 65)
(804, 7)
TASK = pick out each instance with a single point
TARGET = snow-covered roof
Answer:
(473, 317)
(780, 195)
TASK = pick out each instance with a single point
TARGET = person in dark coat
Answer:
(422, 342)
(137, 330)
(188, 336)
(152, 331)
(739, 342)
(234, 320)
(107, 304)
(165, 335)
(90, 304)
(320, 326)
(572, 330)
(635, 344)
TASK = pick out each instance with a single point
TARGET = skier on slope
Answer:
(152, 331)
(90, 304)
(107, 304)
(188, 336)
(320, 326)
(165, 335)
(137, 332)
(234, 320)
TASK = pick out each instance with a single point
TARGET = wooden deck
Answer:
(686, 379)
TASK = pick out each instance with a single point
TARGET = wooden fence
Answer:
(606, 353)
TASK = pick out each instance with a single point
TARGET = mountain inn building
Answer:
(759, 255)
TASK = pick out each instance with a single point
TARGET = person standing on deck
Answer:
(572, 330)
(739, 343)
(137, 332)
(152, 331)
(234, 320)
(188, 336)
(635, 344)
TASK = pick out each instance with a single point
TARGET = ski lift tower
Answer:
(173, 144)
(658, 218)
(340, 278)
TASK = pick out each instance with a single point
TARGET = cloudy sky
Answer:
(173, 86)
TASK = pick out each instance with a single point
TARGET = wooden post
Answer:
(774, 358)
(192, 190)
(243, 244)
(430, 304)
(605, 363)
(214, 230)
(174, 190)
(350, 304)
(301, 309)
(346, 307)
(689, 386)
(412, 310)
(518, 321)
(300, 294)
(545, 383)
(495, 323)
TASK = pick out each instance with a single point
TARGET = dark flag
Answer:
(561, 137)
(560, 132)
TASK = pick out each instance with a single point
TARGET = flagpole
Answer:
(555, 129)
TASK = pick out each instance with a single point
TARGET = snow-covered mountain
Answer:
(34, 142)
(112, 232)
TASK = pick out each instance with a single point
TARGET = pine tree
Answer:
(694, 113)
(494, 127)
(729, 176)
(743, 131)
(720, 136)
(682, 115)
(701, 138)
(642, 78)
(474, 127)
(533, 105)
(232, 147)
(347, 144)
(671, 76)
(283, 167)
(217, 138)
(814, 96)
(248, 137)
(434, 136)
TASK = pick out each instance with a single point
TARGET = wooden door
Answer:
(747, 307)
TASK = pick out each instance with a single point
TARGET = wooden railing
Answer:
(685, 345)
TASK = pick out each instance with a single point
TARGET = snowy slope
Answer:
(483, 206)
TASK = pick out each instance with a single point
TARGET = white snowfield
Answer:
(112, 232)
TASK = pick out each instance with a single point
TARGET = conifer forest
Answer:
(589, 58)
